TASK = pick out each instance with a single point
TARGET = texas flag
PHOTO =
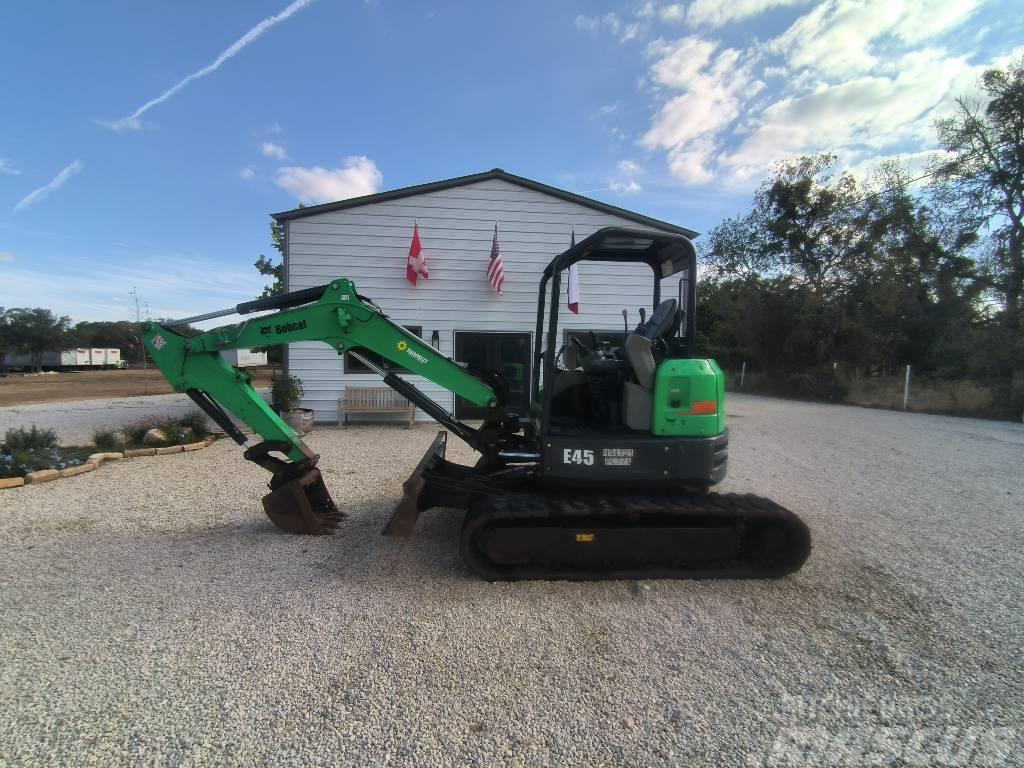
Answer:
(417, 264)
(574, 282)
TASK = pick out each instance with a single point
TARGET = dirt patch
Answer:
(17, 389)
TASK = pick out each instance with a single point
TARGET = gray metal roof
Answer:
(460, 181)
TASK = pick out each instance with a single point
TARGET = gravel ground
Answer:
(75, 421)
(149, 615)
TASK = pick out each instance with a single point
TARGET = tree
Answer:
(6, 344)
(982, 177)
(36, 331)
(267, 267)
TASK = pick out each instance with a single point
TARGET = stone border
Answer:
(95, 461)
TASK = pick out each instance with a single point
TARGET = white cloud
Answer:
(630, 168)
(837, 37)
(358, 176)
(269, 149)
(672, 13)
(863, 78)
(715, 13)
(6, 167)
(915, 162)
(247, 173)
(6, 257)
(855, 118)
(132, 121)
(628, 187)
(611, 23)
(609, 109)
(58, 181)
(625, 183)
(712, 86)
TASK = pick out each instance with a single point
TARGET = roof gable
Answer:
(461, 181)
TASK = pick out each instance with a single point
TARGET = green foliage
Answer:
(981, 179)
(31, 439)
(35, 331)
(107, 440)
(197, 421)
(267, 267)
(287, 392)
(188, 428)
(875, 274)
(17, 462)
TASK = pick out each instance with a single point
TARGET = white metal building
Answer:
(367, 240)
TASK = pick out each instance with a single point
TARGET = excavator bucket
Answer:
(303, 505)
(403, 521)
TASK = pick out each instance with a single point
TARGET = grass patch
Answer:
(188, 428)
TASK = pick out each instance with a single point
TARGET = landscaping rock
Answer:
(79, 470)
(168, 449)
(194, 446)
(129, 454)
(96, 459)
(154, 437)
(42, 476)
(11, 482)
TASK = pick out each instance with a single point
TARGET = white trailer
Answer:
(244, 358)
(68, 359)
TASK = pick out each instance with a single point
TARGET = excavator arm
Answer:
(334, 314)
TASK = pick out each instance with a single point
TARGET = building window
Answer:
(354, 366)
(611, 338)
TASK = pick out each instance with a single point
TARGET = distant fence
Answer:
(897, 392)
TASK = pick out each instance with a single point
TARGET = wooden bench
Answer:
(373, 400)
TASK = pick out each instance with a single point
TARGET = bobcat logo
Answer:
(264, 330)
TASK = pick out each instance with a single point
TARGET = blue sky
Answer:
(144, 144)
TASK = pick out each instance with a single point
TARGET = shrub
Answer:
(287, 392)
(198, 421)
(33, 439)
(106, 440)
(134, 432)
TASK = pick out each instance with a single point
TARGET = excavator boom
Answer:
(334, 314)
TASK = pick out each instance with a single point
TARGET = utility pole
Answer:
(906, 389)
(138, 330)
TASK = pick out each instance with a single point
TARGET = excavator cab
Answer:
(637, 406)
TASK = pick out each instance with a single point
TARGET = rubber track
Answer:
(744, 511)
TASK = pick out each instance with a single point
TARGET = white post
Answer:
(906, 389)
(743, 373)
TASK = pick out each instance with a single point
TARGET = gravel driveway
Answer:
(149, 614)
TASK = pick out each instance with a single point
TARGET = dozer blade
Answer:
(584, 536)
(303, 505)
(403, 520)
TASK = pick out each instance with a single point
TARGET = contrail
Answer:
(58, 181)
(131, 122)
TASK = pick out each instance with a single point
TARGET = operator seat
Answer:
(638, 398)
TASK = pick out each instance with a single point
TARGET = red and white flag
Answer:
(495, 268)
(574, 282)
(417, 264)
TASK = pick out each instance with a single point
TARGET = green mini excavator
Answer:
(605, 476)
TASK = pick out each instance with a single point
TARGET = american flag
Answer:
(495, 268)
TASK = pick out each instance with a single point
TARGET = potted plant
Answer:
(287, 393)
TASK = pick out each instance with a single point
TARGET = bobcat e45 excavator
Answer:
(607, 476)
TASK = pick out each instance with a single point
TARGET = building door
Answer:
(506, 353)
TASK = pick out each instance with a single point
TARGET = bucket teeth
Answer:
(303, 505)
